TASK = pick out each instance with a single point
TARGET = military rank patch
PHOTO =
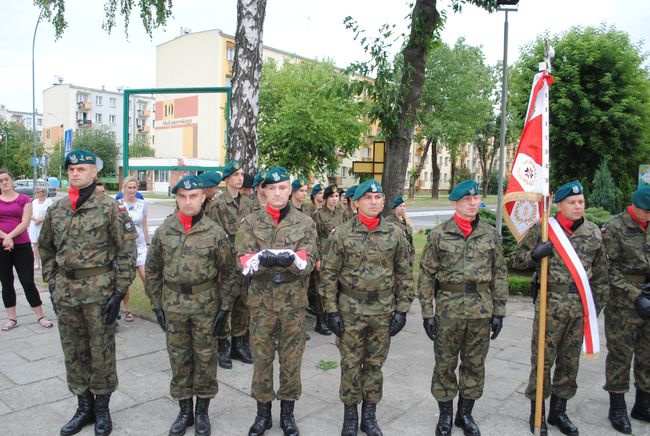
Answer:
(128, 226)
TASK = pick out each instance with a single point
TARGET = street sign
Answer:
(36, 161)
(67, 140)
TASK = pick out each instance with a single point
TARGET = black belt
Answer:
(464, 287)
(84, 273)
(280, 277)
(367, 297)
(562, 288)
(190, 289)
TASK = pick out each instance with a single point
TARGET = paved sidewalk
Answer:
(34, 399)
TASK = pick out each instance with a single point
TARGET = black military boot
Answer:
(618, 413)
(240, 350)
(543, 430)
(263, 420)
(184, 419)
(369, 419)
(287, 420)
(641, 408)
(557, 416)
(202, 427)
(446, 416)
(320, 326)
(103, 423)
(84, 415)
(350, 420)
(464, 418)
(224, 354)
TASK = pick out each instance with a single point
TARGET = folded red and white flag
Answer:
(591, 342)
(251, 262)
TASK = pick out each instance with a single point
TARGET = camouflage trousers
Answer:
(236, 324)
(312, 292)
(364, 349)
(192, 353)
(627, 337)
(88, 348)
(289, 327)
(471, 339)
(564, 331)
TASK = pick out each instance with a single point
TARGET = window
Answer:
(79, 115)
(39, 122)
(446, 161)
(81, 98)
(98, 100)
(161, 176)
(98, 118)
(230, 54)
(111, 101)
(444, 178)
(111, 119)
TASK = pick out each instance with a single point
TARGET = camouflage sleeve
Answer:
(521, 255)
(47, 249)
(245, 243)
(330, 269)
(403, 275)
(124, 235)
(616, 256)
(154, 271)
(429, 264)
(212, 211)
(499, 282)
(600, 279)
(309, 244)
(229, 274)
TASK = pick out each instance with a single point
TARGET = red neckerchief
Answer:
(275, 214)
(464, 225)
(370, 223)
(565, 223)
(186, 221)
(635, 219)
(74, 196)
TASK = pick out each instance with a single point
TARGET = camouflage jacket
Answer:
(628, 251)
(588, 244)
(450, 258)
(366, 261)
(228, 214)
(348, 214)
(179, 258)
(326, 220)
(406, 227)
(95, 235)
(296, 232)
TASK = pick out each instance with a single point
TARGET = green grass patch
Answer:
(326, 365)
(138, 300)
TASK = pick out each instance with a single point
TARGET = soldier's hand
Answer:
(335, 323)
(496, 324)
(52, 288)
(645, 290)
(542, 249)
(267, 258)
(642, 306)
(160, 317)
(219, 319)
(284, 259)
(111, 308)
(430, 327)
(397, 323)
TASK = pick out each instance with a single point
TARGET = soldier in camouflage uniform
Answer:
(564, 315)
(366, 283)
(351, 208)
(463, 270)
(316, 197)
(276, 247)
(299, 195)
(88, 252)
(399, 218)
(210, 183)
(190, 259)
(259, 200)
(627, 316)
(228, 211)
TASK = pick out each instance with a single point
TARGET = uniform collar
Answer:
(381, 227)
(450, 226)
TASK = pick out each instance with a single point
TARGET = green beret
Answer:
(78, 157)
(316, 189)
(370, 185)
(641, 197)
(188, 183)
(331, 189)
(564, 191)
(232, 167)
(350, 191)
(275, 175)
(258, 177)
(210, 179)
(298, 183)
(399, 200)
(464, 188)
(248, 181)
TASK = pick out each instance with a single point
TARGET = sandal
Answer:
(11, 323)
(129, 316)
(44, 322)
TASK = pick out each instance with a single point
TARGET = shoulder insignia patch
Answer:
(128, 226)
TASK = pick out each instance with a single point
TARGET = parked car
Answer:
(26, 186)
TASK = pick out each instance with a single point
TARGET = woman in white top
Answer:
(137, 210)
(39, 208)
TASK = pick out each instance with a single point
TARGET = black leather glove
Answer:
(160, 317)
(496, 324)
(268, 259)
(335, 323)
(645, 290)
(542, 249)
(52, 288)
(642, 306)
(111, 308)
(397, 323)
(219, 319)
(284, 259)
(430, 327)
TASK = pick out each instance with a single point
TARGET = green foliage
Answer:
(309, 119)
(462, 173)
(326, 365)
(598, 215)
(604, 193)
(493, 183)
(140, 147)
(101, 142)
(17, 148)
(519, 285)
(600, 102)
(509, 241)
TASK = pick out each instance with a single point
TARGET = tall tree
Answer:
(100, 141)
(599, 106)
(16, 148)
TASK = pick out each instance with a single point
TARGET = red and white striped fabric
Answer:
(251, 262)
(591, 342)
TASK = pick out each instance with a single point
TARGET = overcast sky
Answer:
(87, 56)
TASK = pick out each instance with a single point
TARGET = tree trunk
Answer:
(247, 72)
(435, 173)
(418, 170)
(425, 17)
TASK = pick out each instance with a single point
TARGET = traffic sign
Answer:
(67, 140)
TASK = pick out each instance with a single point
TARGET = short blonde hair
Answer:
(128, 180)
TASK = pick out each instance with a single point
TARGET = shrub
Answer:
(597, 215)
(519, 285)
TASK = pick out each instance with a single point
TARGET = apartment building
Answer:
(24, 118)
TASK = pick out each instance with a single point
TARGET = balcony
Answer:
(143, 129)
(84, 105)
(146, 113)
(84, 123)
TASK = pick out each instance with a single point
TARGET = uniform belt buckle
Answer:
(470, 287)
(278, 278)
(186, 289)
(70, 274)
(573, 289)
(372, 296)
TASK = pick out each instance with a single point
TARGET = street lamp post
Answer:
(40, 14)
